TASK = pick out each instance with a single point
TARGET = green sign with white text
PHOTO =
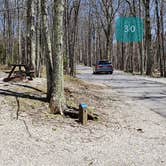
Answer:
(129, 29)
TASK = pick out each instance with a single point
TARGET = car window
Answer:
(104, 62)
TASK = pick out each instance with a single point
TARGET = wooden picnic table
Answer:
(28, 72)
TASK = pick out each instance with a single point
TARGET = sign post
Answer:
(83, 114)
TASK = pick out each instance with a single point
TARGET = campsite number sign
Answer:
(129, 29)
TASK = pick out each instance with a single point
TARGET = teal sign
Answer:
(84, 106)
(129, 29)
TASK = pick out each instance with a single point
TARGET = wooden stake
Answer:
(83, 115)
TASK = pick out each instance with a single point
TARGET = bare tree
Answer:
(47, 45)
(148, 38)
(72, 17)
(57, 94)
(162, 37)
(109, 9)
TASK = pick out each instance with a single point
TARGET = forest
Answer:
(60, 34)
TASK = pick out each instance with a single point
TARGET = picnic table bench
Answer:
(28, 72)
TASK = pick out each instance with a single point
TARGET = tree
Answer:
(71, 23)
(47, 46)
(162, 37)
(148, 38)
(159, 56)
(30, 38)
(106, 13)
(57, 94)
(8, 31)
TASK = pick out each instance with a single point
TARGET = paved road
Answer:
(150, 93)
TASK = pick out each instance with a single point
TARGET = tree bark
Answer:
(48, 51)
(162, 39)
(73, 31)
(57, 95)
(8, 32)
(148, 38)
(37, 40)
(159, 57)
(33, 37)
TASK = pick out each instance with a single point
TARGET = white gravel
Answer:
(129, 135)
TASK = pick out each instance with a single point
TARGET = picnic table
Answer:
(28, 72)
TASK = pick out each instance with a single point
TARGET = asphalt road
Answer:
(149, 93)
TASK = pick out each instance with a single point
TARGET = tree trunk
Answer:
(47, 44)
(148, 38)
(72, 41)
(159, 57)
(4, 36)
(9, 33)
(37, 40)
(141, 46)
(57, 95)
(66, 37)
(89, 40)
(19, 34)
(162, 39)
(30, 38)
(28, 32)
(33, 38)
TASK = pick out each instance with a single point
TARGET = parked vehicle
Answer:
(103, 66)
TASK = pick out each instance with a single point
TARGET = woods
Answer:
(61, 34)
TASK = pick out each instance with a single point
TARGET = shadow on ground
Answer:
(22, 95)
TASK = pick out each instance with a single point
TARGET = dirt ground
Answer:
(126, 133)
